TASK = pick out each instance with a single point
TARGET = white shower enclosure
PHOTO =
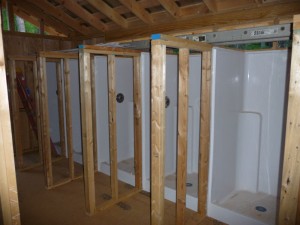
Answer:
(247, 117)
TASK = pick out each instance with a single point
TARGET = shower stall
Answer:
(247, 117)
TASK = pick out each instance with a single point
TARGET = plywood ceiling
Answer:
(129, 19)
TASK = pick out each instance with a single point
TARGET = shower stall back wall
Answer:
(248, 95)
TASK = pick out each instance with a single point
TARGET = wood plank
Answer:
(112, 108)
(291, 162)
(68, 113)
(37, 109)
(109, 12)
(94, 112)
(211, 5)
(158, 92)
(210, 21)
(204, 132)
(139, 11)
(176, 42)
(182, 134)
(47, 157)
(170, 7)
(59, 55)
(15, 112)
(105, 50)
(61, 117)
(137, 95)
(49, 9)
(8, 185)
(298, 212)
(74, 7)
(87, 131)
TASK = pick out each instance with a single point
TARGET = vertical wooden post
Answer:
(8, 185)
(94, 112)
(112, 126)
(204, 132)
(68, 111)
(45, 123)
(15, 114)
(291, 162)
(87, 130)
(182, 136)
(137, 122)
(37, 108)
(60, 109)
(158, 92)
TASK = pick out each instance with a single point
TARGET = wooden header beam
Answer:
(104, 50)
(175, 42)
(59, 55)
(291, 164)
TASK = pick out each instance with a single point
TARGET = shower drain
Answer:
(260, 209)
(188, 184)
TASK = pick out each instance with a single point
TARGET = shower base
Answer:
(125, 170)
(251, 208)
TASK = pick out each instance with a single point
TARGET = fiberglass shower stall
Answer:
(247, 117)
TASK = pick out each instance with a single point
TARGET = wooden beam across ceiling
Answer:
(75, 8)
(139, 11)
(109, 12)
(252, 15)
(36, 12)
(171, 7)
(60, 15)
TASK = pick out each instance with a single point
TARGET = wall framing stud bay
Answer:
(159, 44)
(87, 73)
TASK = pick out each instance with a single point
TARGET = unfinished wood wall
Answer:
(27, 45)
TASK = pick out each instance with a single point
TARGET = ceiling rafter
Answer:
(139, 11)
(60, 15)
(171, 7)
(75, 8)
(36, 12)
(211, 5)
(109, 12)
(36, 22)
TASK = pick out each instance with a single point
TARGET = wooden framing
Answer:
(291, 162)
(159, 44)
(15, 112)
(8, 184)
(46, 143)
(86, 56)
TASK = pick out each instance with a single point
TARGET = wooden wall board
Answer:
(8, 185)
(291, 161)
(158, 111)
(204, 132)
(182, 134)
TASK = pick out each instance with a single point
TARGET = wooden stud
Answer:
(8, 184)
(45, 122)
(291, 162)
(87, 130)
(204, 132)
(113, 150)
(137, 122)
(68, 112)
(182, 136)
(94, 112)
(60, 109)
(11, 14)
(158, 92)
(15, 114)
(37, 108)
